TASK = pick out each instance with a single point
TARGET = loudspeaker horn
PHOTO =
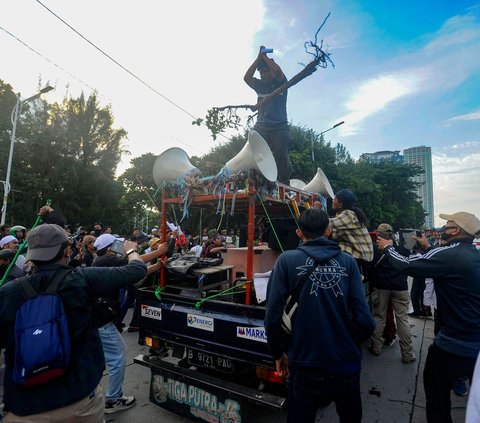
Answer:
(171, 165)
(255, 154)
(319, 183)
(297, 183)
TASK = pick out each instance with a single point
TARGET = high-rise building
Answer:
(422, 157)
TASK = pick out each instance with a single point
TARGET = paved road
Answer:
(401, 397)
(400, 385)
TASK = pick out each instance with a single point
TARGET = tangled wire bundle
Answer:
(220, 118)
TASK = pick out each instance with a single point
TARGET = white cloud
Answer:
(467, 116)
(456, 31)
(374, 95)
(446, 60)
(455, 184)
(466, 145)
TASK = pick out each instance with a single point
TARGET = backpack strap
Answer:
(26, 283)
(58, 278)
(30, 292)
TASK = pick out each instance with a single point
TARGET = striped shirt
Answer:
(352, 236)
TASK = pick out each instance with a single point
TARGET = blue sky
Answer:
(406, 73)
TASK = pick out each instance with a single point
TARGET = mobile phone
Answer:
(117, 247)
(406, 238)
(418, 234)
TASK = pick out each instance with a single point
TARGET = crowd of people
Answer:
(337, 256)
(334, 317)
(94, 254)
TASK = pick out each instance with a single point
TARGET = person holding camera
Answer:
(114, 347)
(390, 286)
(455, 269)
(75, 396)
(272, 121)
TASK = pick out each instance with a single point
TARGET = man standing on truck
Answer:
(272, 122)
(322, 358)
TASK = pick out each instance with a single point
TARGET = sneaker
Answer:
(389, 342)
(373, 351)
(418, 314)
(408, 360)
(459, 386)
(123, 403)
(133, 328)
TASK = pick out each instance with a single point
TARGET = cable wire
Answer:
(82, 82)
(118, 63)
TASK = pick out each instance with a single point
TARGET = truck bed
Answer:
(223, 328)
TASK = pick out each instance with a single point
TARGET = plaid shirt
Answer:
(352, 236)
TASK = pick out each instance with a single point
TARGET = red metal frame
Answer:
(300, 198)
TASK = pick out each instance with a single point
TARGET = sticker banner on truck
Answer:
(151, 312)
(201, 403)
(200, 322)
(254, 334)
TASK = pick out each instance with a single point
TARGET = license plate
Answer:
(210, 361)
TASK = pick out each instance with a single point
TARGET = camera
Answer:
(406, 238)
(117, 247)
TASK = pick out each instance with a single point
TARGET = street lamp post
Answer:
(17, 110)
(323, 132)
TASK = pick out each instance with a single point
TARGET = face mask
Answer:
(444, 236)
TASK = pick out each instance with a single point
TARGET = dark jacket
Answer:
(15, 272)
(332, 316)
(455, 269)
(113, 301)
(78, 291)
(385, 275)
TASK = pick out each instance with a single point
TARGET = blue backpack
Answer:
(42, 341)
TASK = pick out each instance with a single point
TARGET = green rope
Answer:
(293, 214)
(22, 247)
(198, 304)
(158, 291)
(224, 293)
(271, 224)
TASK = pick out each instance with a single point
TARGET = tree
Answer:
(385, 191)
(141, 195)
(68, 153)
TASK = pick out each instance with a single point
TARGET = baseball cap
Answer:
(384, 227)
(346, 197)
(44, 242)
(104, 241)
(6, 240)
(467, 221)
(154, 241)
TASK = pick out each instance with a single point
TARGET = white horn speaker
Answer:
(255, 154)
(319, 183)
(297, 183)
(171, 165)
